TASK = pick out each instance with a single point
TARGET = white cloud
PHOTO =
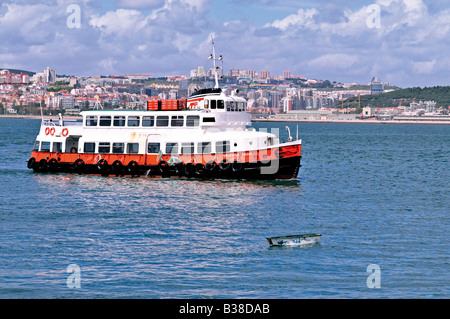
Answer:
(121, 22)
(334, 61)
(303, 18)
(108, 65)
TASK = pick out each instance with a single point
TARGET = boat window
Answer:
(57, 147)
(133, 148)
(133, 120)
(91, 120)
(223, 147)
(213, 104)
(119, 121)
(171, 148)
(105, 120)
(220, 104)
(153, 148)
(241, 106)
(232, 106)
(118, 148)
(104, 147)
(177, 121)
(204, 148)
(148, 121)
(162, 121)
(209, 119)
(89, 147)
(187, 148)
(192, 120)
(36, 146)
(45, 147)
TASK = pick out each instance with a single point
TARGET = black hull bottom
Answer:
(286, 168)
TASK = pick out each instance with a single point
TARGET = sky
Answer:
(402, 42)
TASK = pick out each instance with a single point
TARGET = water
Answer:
(379, 195)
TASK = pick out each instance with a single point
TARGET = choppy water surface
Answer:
(378, 194)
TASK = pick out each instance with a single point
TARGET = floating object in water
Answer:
(294, 240)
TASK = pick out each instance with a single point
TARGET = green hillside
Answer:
(440, 94)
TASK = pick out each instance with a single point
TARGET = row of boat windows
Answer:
(220, 105)
(143, 121)
(46, 147)
(133, 148)
(155, 148)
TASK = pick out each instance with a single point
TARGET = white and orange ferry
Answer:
(207, 135)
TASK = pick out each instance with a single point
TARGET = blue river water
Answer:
(378, 194)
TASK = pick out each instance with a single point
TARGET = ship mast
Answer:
(216, 68)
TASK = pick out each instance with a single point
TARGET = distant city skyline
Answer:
(403, 42)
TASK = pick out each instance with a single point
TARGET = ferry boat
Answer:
(207, 135)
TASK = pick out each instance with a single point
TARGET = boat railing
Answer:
(64, 123)
(49, 123)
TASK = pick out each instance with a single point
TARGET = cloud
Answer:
(337, 61)
(320, 39)
(121, 22)
(425, 67)
(336, 42)
(303, 18)
(139, 4)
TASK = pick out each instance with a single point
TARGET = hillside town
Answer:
(269, 97)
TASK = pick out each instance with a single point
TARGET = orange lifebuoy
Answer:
(47, 130)
(52, 131)
(65, 132)
(73, 149)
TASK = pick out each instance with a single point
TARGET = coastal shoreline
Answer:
(355, 121)
(440, 122)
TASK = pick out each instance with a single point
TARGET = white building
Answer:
(50, 75)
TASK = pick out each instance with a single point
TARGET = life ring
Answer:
(52, 131)
(199, 169)
(42, 165)
(73, 149)
(102, 165)
(224, 165)
(179, 168)
(79, 165)
(52, 163)
(117, 166)
(132, 167)
(47, 131)
(163, 167)
(236, 166)
(31, 162)
(65, 132)
(189, 169)
(211, 166)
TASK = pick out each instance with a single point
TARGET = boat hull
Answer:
(294, 240)
(271, 164)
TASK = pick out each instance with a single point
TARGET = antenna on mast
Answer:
(216, 68)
